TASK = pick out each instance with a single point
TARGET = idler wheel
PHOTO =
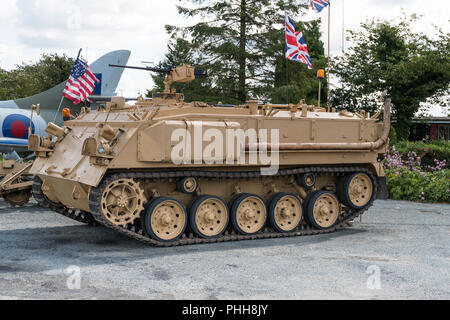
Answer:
(41, 197)
(248, 214)
(285, 212)
(164, 219)
(322, 210)
(122, 202)
(356, 190)
(208, 216)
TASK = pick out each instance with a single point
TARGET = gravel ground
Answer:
(400, 250)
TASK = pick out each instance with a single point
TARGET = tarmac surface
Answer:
(401, 250)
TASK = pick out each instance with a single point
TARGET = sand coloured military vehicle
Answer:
(153, 171)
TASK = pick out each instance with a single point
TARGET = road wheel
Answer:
(322, 210)
(165, 219)
(122, 201)
(248, 214)
(208, 216)
(285, 212)
(356, 190)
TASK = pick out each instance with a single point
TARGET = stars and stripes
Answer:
(296, 48)
(81, 83)
(318, 5)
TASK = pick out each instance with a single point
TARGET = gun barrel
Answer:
(197, 73)
(159, 70)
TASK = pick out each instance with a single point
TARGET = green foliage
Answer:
(393, 135)
(411, 66)
(3, 90)
(29, 79)
(428, 151)
(282, 93)
(241, 45)
(410, 185)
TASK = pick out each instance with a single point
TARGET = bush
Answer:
(413, 173)
(429, 152)
(404, 184)
(393, 136)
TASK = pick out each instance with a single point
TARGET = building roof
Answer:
(433, 120)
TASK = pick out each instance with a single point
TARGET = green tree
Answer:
(3, 91)
(31, 78)
(411, 66)
(234, 42)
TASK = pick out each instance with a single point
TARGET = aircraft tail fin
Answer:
(109, 77)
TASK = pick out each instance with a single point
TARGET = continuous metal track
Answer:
(135, 231)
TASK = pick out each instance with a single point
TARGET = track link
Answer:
(135, 231)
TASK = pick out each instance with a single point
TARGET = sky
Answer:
(29, 28)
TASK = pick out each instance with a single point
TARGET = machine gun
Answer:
(183, 73)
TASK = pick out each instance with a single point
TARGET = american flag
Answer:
(296, 48)
(318, 5)
(81, 83)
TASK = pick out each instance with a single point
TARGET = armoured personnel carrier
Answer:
(167, 172)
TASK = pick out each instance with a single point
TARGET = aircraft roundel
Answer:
(16, 126)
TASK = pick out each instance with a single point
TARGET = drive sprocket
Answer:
(122, 201)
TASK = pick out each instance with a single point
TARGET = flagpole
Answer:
(329, 29)
(287, 81)
(343, 26)
(343, 46)
(62, 98)
(287, 60)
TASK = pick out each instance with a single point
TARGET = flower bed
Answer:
(411, 178)
(429, 152)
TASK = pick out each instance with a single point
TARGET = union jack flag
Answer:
(296, 48)
(81, 83)
(318, 5)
